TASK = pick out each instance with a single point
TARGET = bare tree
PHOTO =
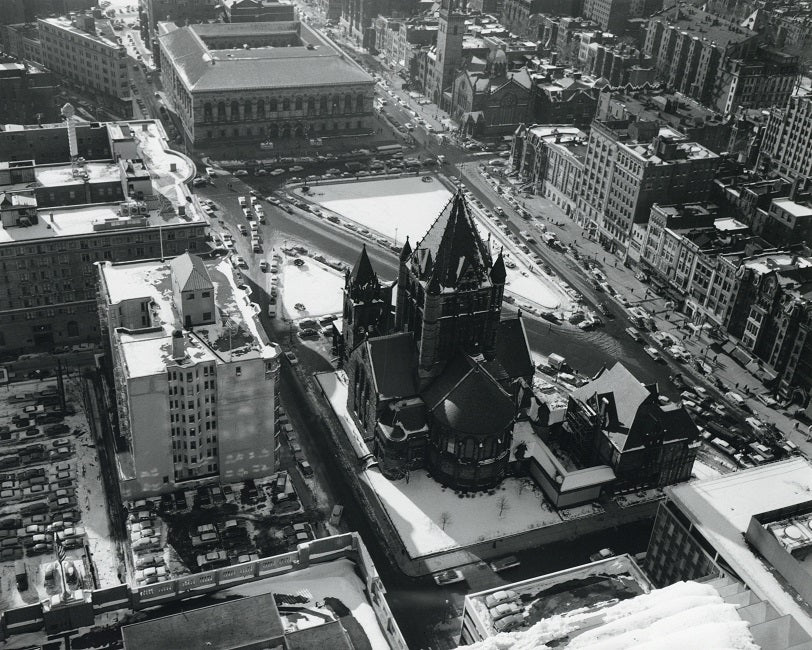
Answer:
(445, 519)
(503, 504)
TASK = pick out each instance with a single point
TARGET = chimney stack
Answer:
(178, 347)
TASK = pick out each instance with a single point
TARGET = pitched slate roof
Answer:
(512, 359)
(451, 248)
(467, 399)
(362, 273)
(191, 273)
(394, 364)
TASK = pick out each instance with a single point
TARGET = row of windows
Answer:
(221, 111)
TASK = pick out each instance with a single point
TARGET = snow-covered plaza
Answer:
(311, 285)
(397, 208)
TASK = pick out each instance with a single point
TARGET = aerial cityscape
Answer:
(417, 325)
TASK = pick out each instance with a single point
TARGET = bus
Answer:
(389, 148)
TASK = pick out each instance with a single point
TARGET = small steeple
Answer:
(498, 272)
(406, 251)
(363, 273)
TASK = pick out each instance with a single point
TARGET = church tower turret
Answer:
(367, 302)
(451, 29)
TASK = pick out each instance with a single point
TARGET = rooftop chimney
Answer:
(178, 347)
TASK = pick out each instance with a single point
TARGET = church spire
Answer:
(498, 272)
(406, 250)
(362, 273)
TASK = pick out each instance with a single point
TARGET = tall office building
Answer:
(787, 145)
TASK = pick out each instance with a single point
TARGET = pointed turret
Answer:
(498, 272)
(363, 273)
(406, 251)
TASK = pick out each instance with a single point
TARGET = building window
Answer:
(238, 371)
(206, 315)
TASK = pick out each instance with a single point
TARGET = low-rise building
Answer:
(617, 421)
(628, 166)
(750, 528)
(281, 82)
(22, 41)
(551, 158)
(125, 198)
(771, 315)
(196, 377)
(86, 51)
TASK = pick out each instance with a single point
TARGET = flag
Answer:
(60, 552)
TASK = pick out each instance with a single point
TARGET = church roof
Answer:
(466, 398)
(191, 273)
(393, 359)
(451, 248)
(512, 359)
(363, 273)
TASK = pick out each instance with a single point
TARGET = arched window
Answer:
(348, 103)
(286, 104)
(323, 104)
(311, 106)
(235, 110)
(207, 116)
(221, 112)
(336, 101)
(249, 111)
(272, 106)
(359, 103)
(298, 104)
(261, 109)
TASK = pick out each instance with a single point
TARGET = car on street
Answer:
(240, 261)
(292, 358)
(449, 577)
(276, 172)
(241, 172)
(653, 353)
(305, 468)
(263, 266)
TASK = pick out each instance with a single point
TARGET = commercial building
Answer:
(771, 314)
(617, 421)
(618, 64)
(196, 378)
(787, 145)
(682, 249)
(277, 82)
(28, 94)
(177, 11)
(551, 158)
(516, 13)
(85, 51)
(628, 166)
(749, 527)
(761, 79)
(125, 198)
(440, 390)
(246, 11)
(399, 41)
(657, 104)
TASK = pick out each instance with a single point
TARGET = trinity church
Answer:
(437, 382)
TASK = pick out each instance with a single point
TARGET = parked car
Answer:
(449, 577)
(305, 468)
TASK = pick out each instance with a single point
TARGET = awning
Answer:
(741, 356)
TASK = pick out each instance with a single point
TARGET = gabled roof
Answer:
(393, 359)
(362, 273)
(451, 249)
(190, 273)
(466, 398)
(629, 394)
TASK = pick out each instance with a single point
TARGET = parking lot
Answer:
(50, 492)
(212, 526)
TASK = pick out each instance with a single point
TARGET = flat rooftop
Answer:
(314, 61)
(721, 508)
(102, 35)
(236, 333)
(705, 26)
(769, 262)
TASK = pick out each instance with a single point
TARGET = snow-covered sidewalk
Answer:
(334, 387)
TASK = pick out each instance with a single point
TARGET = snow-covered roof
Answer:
(721, 509)
(235, 334)
(682, 615)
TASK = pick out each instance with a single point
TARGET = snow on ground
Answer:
(395, 208)
(417, 510)
(334, 387)
(336, 579)
(314, 285)
(679, 616)
(702, 471)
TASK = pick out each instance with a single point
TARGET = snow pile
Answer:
(682, 615)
